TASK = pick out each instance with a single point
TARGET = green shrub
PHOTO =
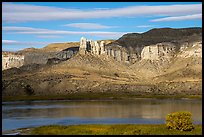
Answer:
(179, 120)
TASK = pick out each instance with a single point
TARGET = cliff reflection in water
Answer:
(140, 108)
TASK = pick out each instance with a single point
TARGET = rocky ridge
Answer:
(165, 67)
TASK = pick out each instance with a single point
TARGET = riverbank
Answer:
(96, 96)
(117, 129)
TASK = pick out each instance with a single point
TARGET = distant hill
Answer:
(138, 41)
(155, 36)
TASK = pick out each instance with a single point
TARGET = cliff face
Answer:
(160, 61)
(155, 44)
(168, 50)
(166, 40)
(41, 57)
(161, 50)
(59, 51)
(194, 50)
(11, 60)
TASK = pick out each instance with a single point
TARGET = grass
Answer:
(94, 96)
(118, 129)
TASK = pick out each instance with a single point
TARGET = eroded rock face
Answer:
(97, 48)
(155, 52)
(147, 45)
(37, 57)
(43, 57)
(131, 48)
(18, 59)
(10, 60)
(67, 53)
(83, 45)
(102, 47)
(195, 50)
(118, 53)
(91, 46)
(168, 50)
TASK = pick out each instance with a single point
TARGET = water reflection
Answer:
(121, 111)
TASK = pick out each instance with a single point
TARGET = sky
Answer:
(36, 24)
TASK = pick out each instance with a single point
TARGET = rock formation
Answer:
(194, 51)
(153, 45)
(91, 46)
(136, 43)
(102, 47)
(155, 52)
(118, 53)
(83, 46)
(97, 48)
(39, 57)
(10, 60)
(161, 61)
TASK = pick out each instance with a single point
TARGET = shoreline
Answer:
(103, 129)
(97, 96)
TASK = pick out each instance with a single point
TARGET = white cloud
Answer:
(144, 26)
(8, 42)
(14, 28)
(179, 18)
(48, 36)
(23, 43)
(88, 26)
(22, 12)
(39, 31)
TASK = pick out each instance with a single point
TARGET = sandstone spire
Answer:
(102, 47)
(97, 47)
(83, 45)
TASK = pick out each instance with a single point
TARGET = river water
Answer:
(24, 114)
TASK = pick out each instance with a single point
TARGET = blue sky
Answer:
(35, 24)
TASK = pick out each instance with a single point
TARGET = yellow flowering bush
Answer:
(179, 120)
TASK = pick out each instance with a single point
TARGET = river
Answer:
(23, 114)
